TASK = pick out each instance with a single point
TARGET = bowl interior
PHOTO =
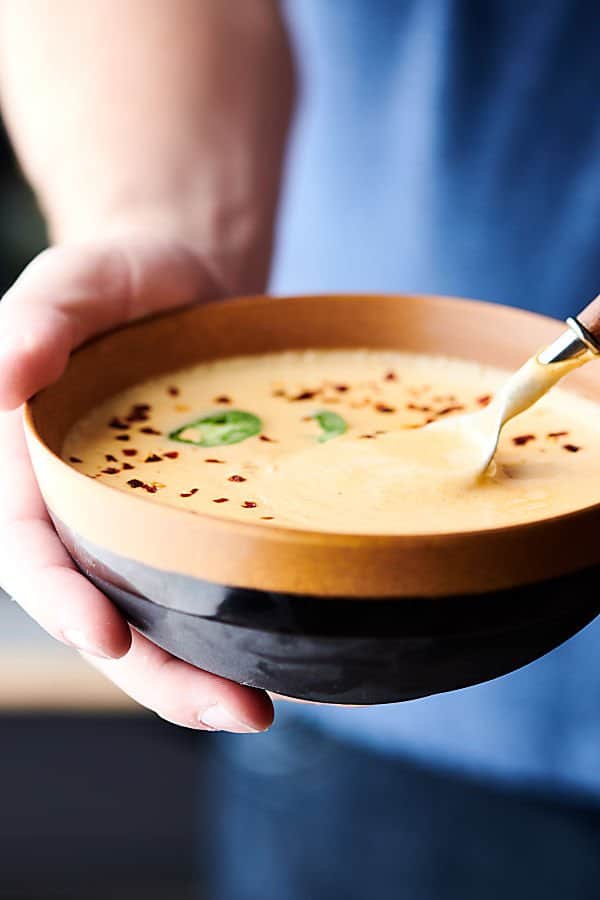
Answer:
(324, 564)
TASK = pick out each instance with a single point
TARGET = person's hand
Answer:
(64, 297)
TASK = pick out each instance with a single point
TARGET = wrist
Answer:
(234, 240)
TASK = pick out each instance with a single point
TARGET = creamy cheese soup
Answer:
(338, 441)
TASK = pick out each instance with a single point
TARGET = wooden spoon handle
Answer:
(590, 318)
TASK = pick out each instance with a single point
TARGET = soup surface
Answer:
(337, 441)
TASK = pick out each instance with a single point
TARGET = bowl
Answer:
(334, 618)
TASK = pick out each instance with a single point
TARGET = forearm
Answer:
(168, 115)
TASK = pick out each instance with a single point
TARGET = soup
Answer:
(337, 440)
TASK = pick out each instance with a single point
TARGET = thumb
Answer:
(70, 293)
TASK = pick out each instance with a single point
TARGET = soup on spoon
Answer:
(337, 440)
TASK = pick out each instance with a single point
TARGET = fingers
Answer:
(185, 695)
(36, 570)
(39, 575)
(68, 294)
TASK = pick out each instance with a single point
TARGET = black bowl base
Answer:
(350, 668)
(341, 650)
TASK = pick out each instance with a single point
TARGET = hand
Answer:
(64, 297)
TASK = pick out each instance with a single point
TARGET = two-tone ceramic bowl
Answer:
(327, 617)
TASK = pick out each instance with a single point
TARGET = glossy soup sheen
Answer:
(337, 441)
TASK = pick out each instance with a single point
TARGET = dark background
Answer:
(97, 808)
(21, 229)
(91, 806)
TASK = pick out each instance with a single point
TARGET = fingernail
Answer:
(78, 640)
(220, 719)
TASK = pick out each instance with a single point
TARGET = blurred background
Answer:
(21, 227)
(97, 796)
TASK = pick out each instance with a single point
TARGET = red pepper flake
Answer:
(305, 395)
(148, 430)
(267, 440)
(557, 434)
(139, 412)
(450, 409)
(572, 448)
(126, 466)
(484, 400)
(152, 458)
(189, 493)
(110, 458)
(267, 518)
(221, 500)
(117, 423)
(279, 392)
(172, 454)
(75, 459)
(150, 488)
(173, 391)
(390, 376)
(523, 439)
(110, 471)
(222, 399)
(129, 451)
(210, 460)
(382, 408)
(122, 437)
(342, 388)
(417, 408)
(367, 435)
(135, 483)
(237, 478)
(248, 504)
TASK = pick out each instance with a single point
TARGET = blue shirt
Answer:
(453, 147)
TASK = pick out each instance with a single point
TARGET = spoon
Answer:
(578, 344)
